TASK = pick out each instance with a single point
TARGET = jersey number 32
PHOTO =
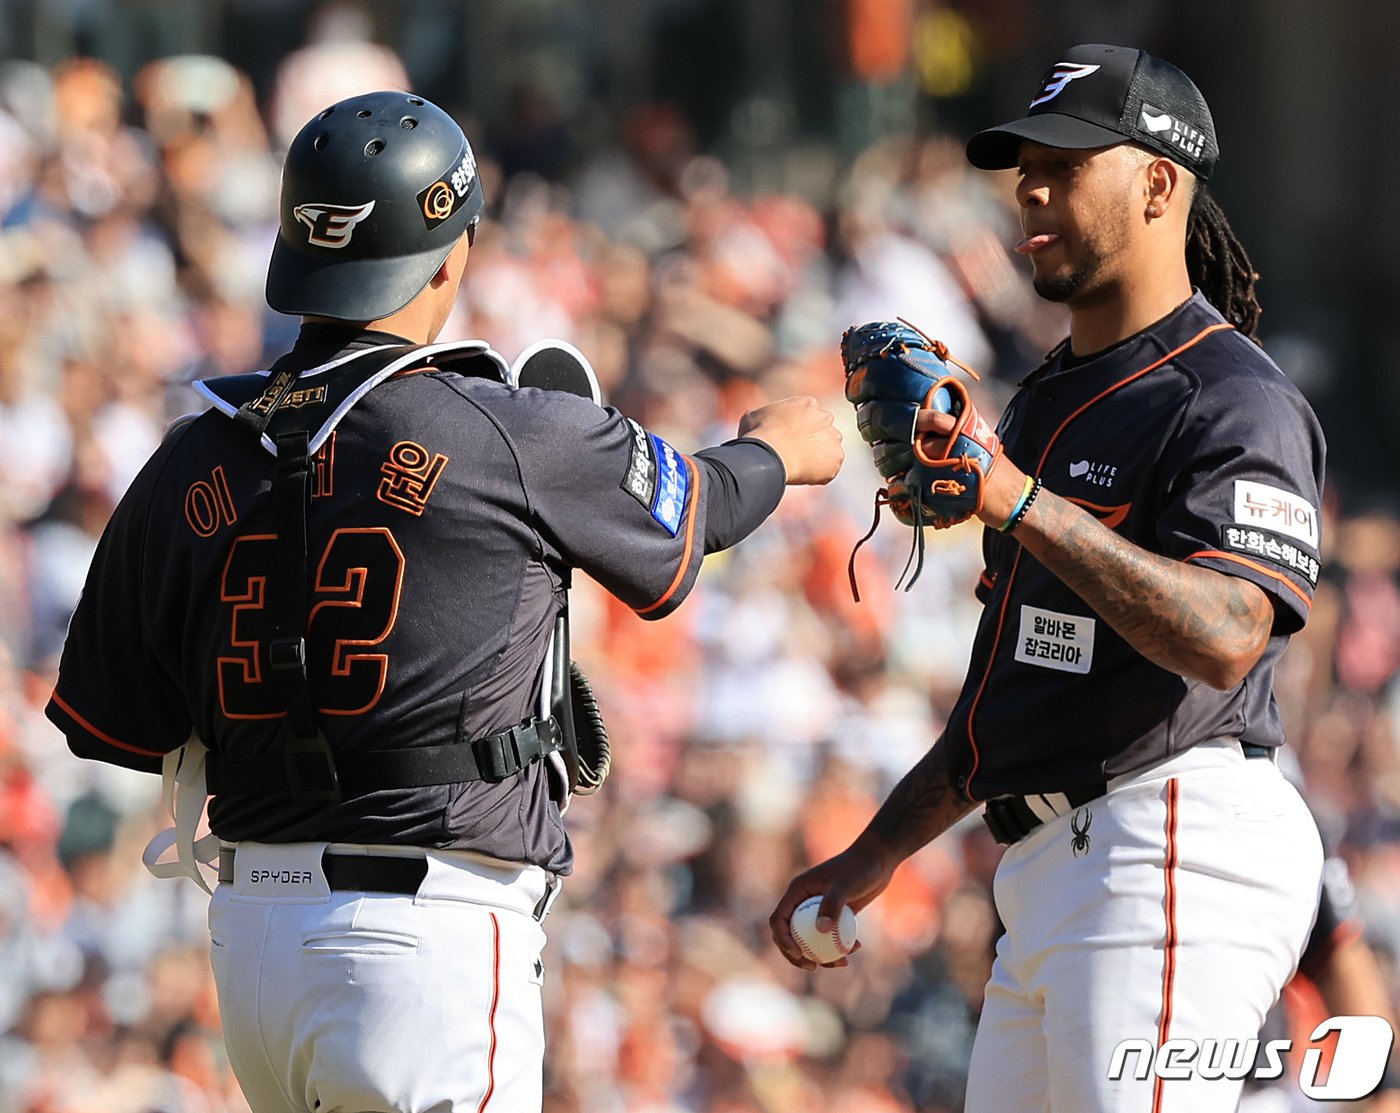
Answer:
(354, 605)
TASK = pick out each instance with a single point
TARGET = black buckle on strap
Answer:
(505, 754)
(311, 771)
(287, 654)
(1009, 819)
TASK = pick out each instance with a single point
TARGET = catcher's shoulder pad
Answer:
(320, 397)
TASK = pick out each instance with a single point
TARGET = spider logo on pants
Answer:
(1080, 843)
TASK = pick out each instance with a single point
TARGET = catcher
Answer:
(1150, 511)
(344, 579)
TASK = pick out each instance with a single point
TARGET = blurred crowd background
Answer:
(700, 194)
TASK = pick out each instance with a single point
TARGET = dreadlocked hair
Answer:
(1218, 263)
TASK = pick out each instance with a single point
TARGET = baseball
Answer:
(823, 947)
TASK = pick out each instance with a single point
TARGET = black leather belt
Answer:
(1011, 818)
(354, 872)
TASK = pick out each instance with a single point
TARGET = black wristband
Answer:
(1023, 509)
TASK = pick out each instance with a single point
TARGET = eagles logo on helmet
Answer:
(331, 225)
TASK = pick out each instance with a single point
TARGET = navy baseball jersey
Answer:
(1189, 442)
(446, 514)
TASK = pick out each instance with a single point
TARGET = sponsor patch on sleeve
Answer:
(672, 486)
(1050, 640)
(640, 480)
(1260, 506)
(1270, 546)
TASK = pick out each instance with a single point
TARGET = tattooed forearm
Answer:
(1191, 620)
(922, 806)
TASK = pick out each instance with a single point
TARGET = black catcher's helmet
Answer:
(375, 192)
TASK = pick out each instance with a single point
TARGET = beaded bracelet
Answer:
(1023, 507)
(1025, 494)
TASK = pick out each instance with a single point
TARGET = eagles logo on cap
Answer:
(1060, 76)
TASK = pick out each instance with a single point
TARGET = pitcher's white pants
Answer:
(1182, 917)
(350, 1002)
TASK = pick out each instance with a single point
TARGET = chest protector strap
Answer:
(307, 767)
(306, 752)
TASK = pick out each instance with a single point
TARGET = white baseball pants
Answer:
(1174, 907)
(351, 1002)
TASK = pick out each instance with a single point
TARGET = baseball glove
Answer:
(893, 371)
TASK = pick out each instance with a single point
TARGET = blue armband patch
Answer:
(672, 486)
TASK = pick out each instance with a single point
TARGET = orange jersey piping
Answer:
(689, 537)
(105, 737)
(1279, 576)
(1169, 947)
(491, 1016)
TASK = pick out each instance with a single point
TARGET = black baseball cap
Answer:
(1096, 96)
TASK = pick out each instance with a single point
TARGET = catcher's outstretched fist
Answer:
(941, 460)
(803, 434)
